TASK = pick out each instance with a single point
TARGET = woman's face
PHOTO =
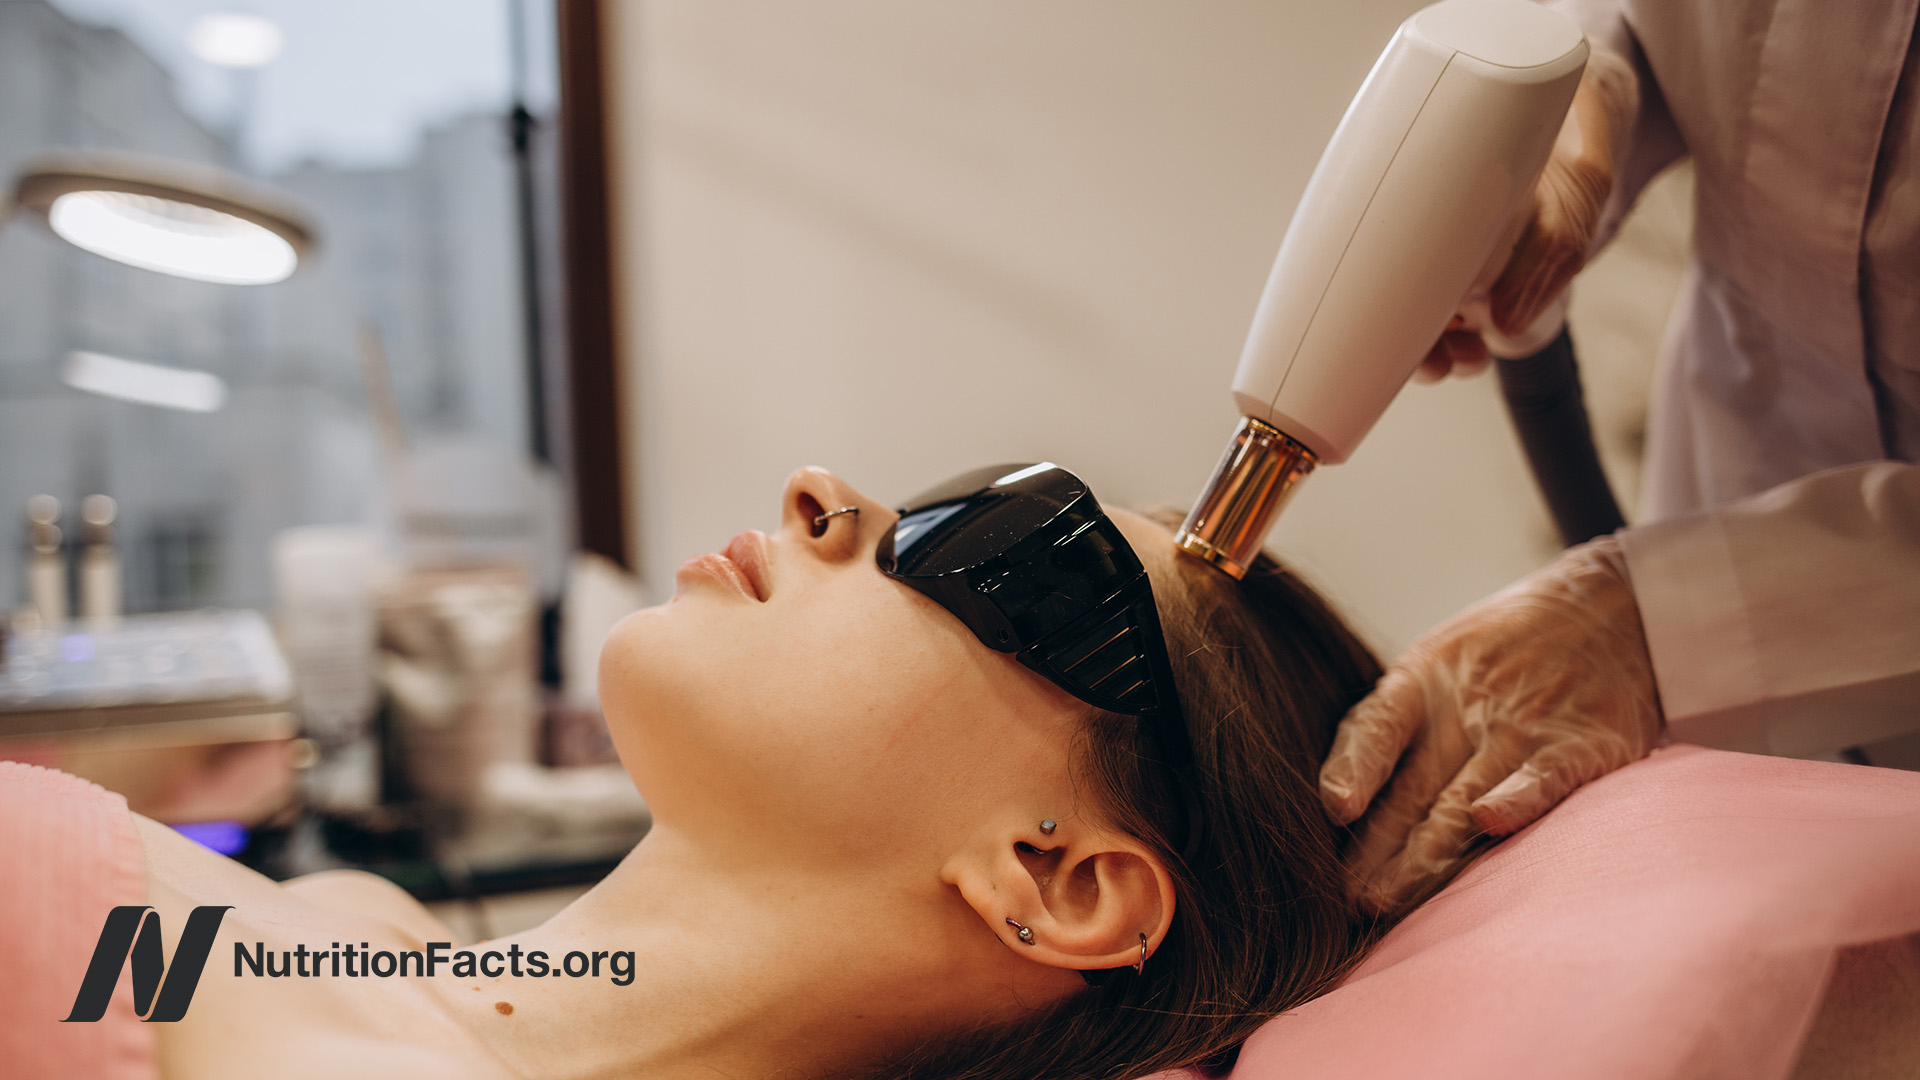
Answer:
(793, 699)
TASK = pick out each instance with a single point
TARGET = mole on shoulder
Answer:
(504, 1008)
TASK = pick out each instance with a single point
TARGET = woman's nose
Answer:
(826, 513)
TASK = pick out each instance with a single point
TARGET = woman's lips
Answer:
(743, 565)
(719, 568)
(748, 552)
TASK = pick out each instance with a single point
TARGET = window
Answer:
(438, 271)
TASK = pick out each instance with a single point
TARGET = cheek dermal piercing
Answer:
(820, 520)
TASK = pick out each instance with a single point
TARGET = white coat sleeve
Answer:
(1788, 622)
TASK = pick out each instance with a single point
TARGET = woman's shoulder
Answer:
(357, 892)
(278, 995)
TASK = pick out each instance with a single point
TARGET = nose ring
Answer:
(820, 521)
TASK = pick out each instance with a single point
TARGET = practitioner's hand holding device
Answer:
(1491, 719)
(1425, 194)
(1552, 233)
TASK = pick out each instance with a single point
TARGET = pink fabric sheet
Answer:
(1675, 919)
(68, 854)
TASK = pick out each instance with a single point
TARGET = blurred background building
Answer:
(419, 244)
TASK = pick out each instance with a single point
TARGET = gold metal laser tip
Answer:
(1255, 477)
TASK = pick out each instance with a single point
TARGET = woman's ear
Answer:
(1083, 895)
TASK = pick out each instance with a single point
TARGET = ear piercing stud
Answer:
(1024, 933)
(1047, 827)
(820, 520)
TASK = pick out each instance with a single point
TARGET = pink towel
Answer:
(70, 854)
(1675, 919)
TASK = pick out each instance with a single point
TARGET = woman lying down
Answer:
(997, 787)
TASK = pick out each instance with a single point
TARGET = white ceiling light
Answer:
(148, 384)
(181, 218)
(235, 40)
(172, 237)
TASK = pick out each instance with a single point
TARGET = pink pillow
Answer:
(69, 854)
(1675, 919)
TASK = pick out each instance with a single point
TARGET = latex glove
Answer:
(1492, 719)
(1555, 228)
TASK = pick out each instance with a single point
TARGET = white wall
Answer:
(900, 240)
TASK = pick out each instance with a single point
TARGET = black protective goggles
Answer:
(1025, 557)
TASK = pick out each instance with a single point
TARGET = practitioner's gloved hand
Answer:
(1555, 228)
(1492, 719)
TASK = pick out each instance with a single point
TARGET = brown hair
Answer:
(1262, 923)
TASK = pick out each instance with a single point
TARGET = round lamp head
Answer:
(181, 218)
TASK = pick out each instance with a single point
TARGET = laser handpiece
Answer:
(1413, 197)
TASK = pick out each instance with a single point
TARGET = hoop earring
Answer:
(1024, 933)
(1141, 967)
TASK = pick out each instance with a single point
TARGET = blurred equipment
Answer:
(100, 578)
(187, 715)
(182, 218)
(210, 671)
(599, 594)
(463, 500)
(457, 651)
(47, 570)
(326, 579)
(1414, 199)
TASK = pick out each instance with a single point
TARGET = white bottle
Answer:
(100, 576)
(47, 566)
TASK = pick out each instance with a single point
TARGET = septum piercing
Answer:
(820, 520)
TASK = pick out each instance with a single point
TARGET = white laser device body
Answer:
(1413, 196)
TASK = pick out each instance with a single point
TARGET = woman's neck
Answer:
(733, 972)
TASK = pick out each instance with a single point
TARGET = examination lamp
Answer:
(182, 218)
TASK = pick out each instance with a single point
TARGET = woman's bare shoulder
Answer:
(357, 892)
(302, 1027)
(181, 873)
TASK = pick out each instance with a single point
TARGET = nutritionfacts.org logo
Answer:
(163, 989)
